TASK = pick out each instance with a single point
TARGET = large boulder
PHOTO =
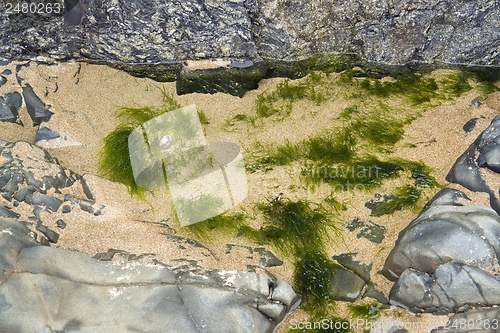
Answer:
(49, 289)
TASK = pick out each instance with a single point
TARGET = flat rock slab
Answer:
(55, 290)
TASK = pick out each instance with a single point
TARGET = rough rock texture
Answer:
(465, 234)
(154, 38)
(453, 287)
(447, 259)
(392, 32)
(48, 289)
(156, 32)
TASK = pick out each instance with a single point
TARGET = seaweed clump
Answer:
(114, 159)
(300, 229)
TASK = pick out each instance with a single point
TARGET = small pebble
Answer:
(66, 209)
(61, 224)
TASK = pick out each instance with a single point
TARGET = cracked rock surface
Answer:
(47, 289)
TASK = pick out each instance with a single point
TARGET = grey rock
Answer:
(345, 285)
(369, 230)
(231, 78)
(6, 113)
(66, 209)
(36, 108)
(283, 292)
(61, 224)
(85, 205)
(267, 258)
(465, 234)
(36, 167)
(8, 213)
(470, 125)
(155, 38)
(453, 287)
(447, 197)
(37, 211)
(14, 100)
(127, 256)
(113, 296)
(51, 235)
(10, 178)
(45, 133)
(477, 102)
(372, 291)
(13, 238)
(481, 153)
(73, 12)
(39, 199)
(358, 267)
(87, 189)
(22, 194)
(490, 158)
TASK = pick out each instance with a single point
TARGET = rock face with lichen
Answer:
(153, 38)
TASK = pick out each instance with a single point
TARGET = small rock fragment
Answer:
(39, 199)
(36, 108)
(61, 224)
(345, 285)
(52, 236)
(7, 213)
(28, 191)
(66, 209)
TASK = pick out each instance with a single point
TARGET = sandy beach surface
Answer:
(84, 99)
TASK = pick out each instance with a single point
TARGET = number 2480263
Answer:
(34, 8)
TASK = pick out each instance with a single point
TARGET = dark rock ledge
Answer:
(248, 39)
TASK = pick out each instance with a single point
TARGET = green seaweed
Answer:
(331, 147)
(368, 311)
(313, 272)
(114, 159)
(291, 226)
(301, 229)
(456, 84)
(203, 118)
(402, 196)
(220, 223)
(364, 173)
